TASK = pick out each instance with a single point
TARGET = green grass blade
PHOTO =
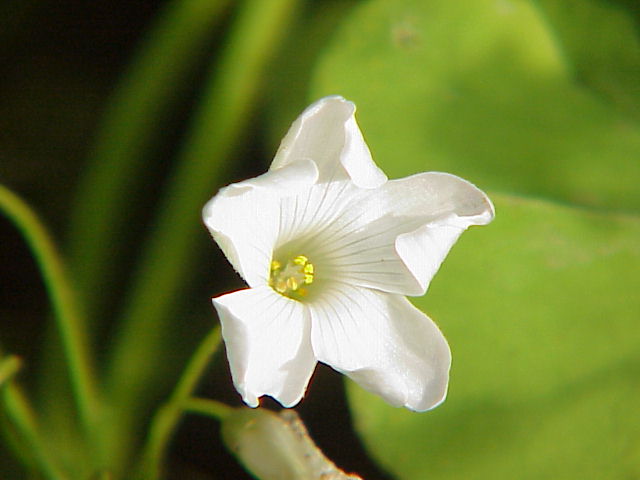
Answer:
(140, 103)
(168, 416)
(70, 322)
(9, 366)
(19, 412)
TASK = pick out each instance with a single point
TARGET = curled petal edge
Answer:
(424, 250)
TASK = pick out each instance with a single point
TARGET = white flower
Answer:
(329, 248)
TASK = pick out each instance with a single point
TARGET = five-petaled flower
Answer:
(329, 248)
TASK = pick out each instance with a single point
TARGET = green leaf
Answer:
(541, 311)
(602, 45)
(484, 90)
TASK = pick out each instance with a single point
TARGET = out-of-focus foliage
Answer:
(601, 46)
(525, 99)
(536, 101)
(484, 89)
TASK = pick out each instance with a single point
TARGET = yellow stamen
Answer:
(289, 280)
(300, 260)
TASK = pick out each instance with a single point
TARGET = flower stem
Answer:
(70, 323)
(21, 415)
(208, 407)
(168, 416)
(139, 105)
(170, 254)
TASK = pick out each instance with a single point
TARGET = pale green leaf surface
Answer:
(481, 89)
(541, 312)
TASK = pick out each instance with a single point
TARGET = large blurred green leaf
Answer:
(602, 46)
(541, 310)
(483, 89)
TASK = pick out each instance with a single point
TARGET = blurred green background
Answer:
(119, 119)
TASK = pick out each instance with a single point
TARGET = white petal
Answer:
(267, 337)
(308, 214)
(327, 133)
(244, 217)
(455, 205)
(394, 238)
(384, 343)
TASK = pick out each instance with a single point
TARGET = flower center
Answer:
(291, 278)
